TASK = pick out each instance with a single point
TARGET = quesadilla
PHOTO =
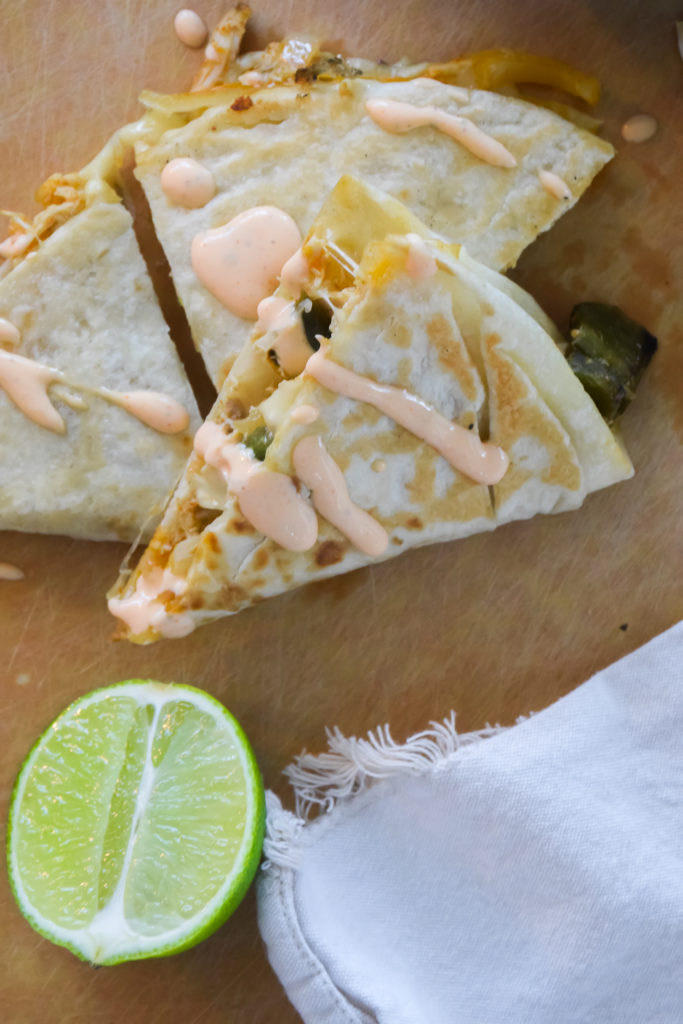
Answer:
(479, 168)
(96, 413)
(436, 405)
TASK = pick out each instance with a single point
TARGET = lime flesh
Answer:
(136, 822)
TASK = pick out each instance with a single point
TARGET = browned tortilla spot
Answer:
(240, 526)
(329, 553)
(261, 558)
(211, 542)
(451, 354)
(242, 103)
(518, 415)
(400, 335)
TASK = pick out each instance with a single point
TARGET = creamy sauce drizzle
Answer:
(10, 572)
(9, 335)
(143, 610)
(315, 466)
(420, 263)
(241, 261)
(158, 411)
(305, 413)
(480, 461)
(395, 116)
(190, 28)
(27, 382)
(186, 182)
(267, 499)
(554, 184)
(295, 272)
(278, 316)
(638, 128)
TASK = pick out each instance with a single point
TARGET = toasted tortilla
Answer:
(83, 304)
(288, 146)
(456, 341)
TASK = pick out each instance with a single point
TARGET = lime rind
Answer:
(108, 938)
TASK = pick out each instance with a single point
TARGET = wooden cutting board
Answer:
(493, 627)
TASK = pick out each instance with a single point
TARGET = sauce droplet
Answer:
(279, 320)
(241, 261)
(142, 610)
(267, 499)
(420, 263)
(315, 466)
(10, 572)
(479, 460)
(638, 128)
(304, 414)
(9, 334)
(295, 272)
(554, 184)
(190, 28)
(158, 411)
(395, 116)
(186, 182)
(27, 384)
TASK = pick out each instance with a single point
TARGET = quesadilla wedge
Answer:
(436, 406)
(253, 165)
(96, 413)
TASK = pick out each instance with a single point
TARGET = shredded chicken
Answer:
(62, 195)
(222, 48)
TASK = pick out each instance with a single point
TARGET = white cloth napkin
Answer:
(531, 877)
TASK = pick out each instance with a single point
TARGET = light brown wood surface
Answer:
(495, 626)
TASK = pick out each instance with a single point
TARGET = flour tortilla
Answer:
(291, 146)
(460, 344)
(84, 304)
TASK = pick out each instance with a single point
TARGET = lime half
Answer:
(136, 822)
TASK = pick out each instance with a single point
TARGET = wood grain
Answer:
(495, 626)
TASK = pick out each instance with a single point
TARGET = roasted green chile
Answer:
(608, 352)
(258, 440)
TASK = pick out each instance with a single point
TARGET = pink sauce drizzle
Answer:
(277, 315)
(190, 28)
(638, 128)
(26, 383)
(8, 333)
(420, 263)
(554, 184)
(185, 182)
(394, 116)
(315, 466)
(295, 272)
(240, 262)
(158, 411)
(267, 499)
(480, 461)
(142, 610)
(304, 414)
(10, 572)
